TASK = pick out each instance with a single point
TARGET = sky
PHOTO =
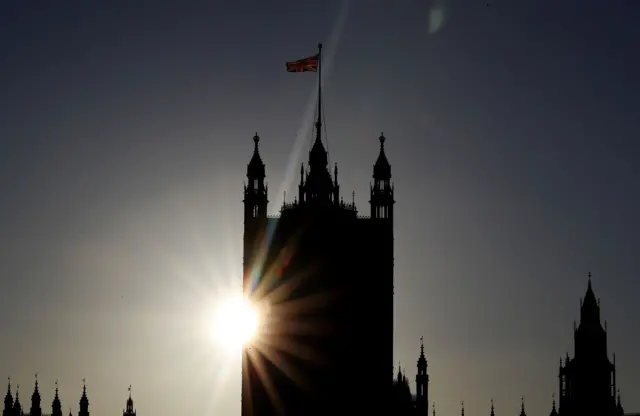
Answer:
(125, 132)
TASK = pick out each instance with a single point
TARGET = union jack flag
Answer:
(309, 64)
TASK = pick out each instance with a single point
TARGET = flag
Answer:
(304, 65)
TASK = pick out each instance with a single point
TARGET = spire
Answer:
(255, 169)
(17, 407)
(84, 401)
(492, 412)
(619, 408)
(382, 168)
(434, 408)
(35, 400)
(8, 398)
(422, 361)
(522, 412)
(318, 156)
(554, 412)
(129, 408)
(462, 408)
(56, 406)
(590, 310)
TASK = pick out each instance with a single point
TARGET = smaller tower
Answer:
(84, 401)
(522, 412)
(36, 410)
(382, 189)
(56, 406)
(255, 191)
(17, 407)
(619, 408)
(554, 412)
(129, 411)
(8, 401)
(422, 383)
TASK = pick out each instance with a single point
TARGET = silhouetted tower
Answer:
(36, 410)
(8, 402)
(17, 407)
(129, 411)
(522, 412)
(56, 406)
(422, 383)
(382, 189)
(255, 191)
(315, 254)
(84, 401)
(554, 412)
(587, 382)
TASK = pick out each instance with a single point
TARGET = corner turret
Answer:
(56, 406)
(129, 410)
(36, 410)
(255, 191)
(381, 200)
(8, 401)
(84, 401)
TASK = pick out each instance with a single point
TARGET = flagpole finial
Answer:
(319, 45)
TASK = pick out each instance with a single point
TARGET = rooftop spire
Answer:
(382, 168)
(522, 413)
(554, 412)
(492, 412)
(462, 408)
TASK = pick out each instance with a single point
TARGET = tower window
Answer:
(255, 184)
(255, 211)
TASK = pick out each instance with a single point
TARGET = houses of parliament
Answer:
(326, 275)
(13, 406)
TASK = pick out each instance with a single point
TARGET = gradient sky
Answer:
(125, 131)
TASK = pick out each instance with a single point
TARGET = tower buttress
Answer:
(422, 383)
(382, 189)
(255, 191)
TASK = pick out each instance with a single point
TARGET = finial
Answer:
(319, 45)
(382, 139)
(434, 408)
(56, 383)
(462, 407)
(256, 139)
(129, 390)
(522, 403)
(553, 398)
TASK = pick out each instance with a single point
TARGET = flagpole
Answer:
(319, 122)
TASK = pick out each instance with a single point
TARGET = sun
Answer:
(235, 323)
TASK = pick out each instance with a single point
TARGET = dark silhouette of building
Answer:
(129, 410)
(13, 407)
(587, 382)
(326, 276)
